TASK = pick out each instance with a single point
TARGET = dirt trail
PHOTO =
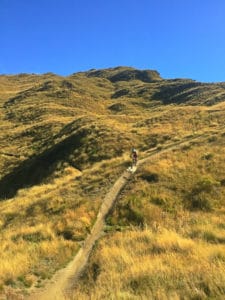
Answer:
(62, 282)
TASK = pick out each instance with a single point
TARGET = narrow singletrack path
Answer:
(61, 285)
(63, 280)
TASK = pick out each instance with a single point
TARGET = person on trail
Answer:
(134, 156)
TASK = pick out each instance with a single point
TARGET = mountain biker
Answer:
(134, 156)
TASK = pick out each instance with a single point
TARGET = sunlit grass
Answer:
(153, 265)
(166, 249)
(171, 214)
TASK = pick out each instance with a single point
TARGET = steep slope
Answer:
(34, 107)
(64, 281)
(65, 140)
(165, 237)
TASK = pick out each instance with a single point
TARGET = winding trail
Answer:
(61, 285)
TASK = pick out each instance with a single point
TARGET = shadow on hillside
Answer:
(34, 170)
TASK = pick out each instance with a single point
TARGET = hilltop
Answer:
(64, 142)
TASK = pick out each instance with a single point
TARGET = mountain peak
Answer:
(125, 74)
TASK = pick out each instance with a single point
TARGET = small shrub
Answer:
(199, 202)
(111, 220)
(159, 201)
(205, 185)
(140, 284)
(67, 234)
(199, 197)
(9, 281)
(25, 281)
(222, 182)
(96, 270)
(207, 156)
(135, 217)
(150, 177)
(152, 141)
(133, 213)
(186, 146)
(212, 139)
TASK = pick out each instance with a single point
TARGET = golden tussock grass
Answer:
(153, 265)
(34, 239)
(167, 249)
(172, 211)
(44, 232)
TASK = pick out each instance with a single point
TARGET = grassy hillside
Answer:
(165, 238)
(65, 140)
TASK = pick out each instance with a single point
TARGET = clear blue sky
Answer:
(179, 38)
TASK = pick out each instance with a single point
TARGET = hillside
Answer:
(39, 111)
(65, 141)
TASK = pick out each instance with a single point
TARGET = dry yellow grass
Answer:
(50, 220)
(153, 265)
(43, 224)
(167, 249)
